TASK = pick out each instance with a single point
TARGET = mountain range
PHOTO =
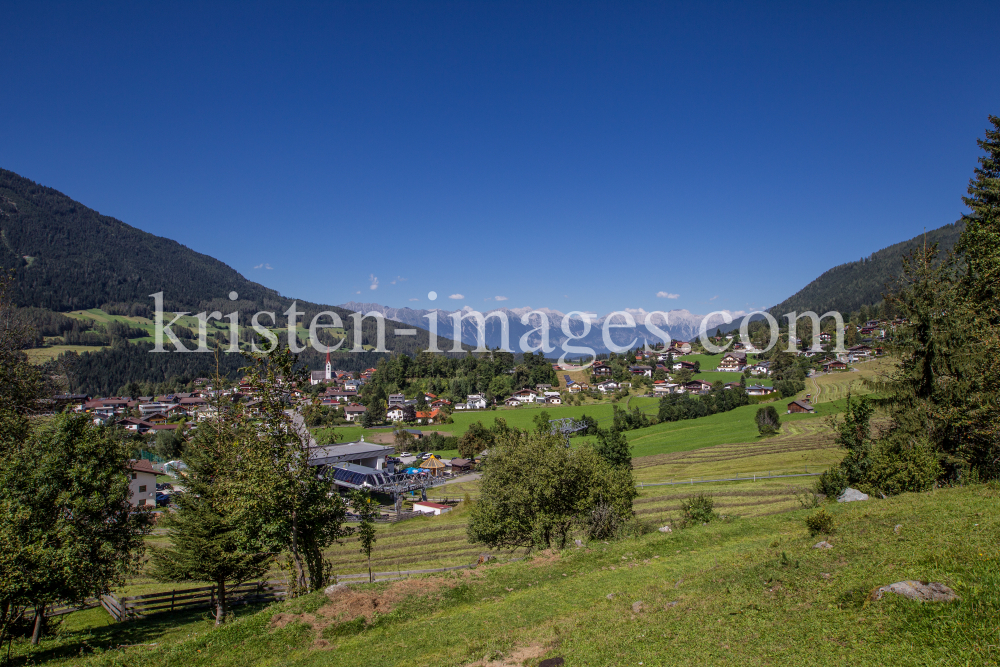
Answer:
(681, 325)
(67, 256)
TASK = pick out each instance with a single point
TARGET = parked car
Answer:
(162, 499)
(405, 454)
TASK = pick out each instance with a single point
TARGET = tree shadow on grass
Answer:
(102, 634)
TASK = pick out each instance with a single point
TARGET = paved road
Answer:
(471, 477)
(300, 425)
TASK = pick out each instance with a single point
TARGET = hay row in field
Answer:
(712, 454)
(763, 493)
(674, 507)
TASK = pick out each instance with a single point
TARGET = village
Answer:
(394, 474)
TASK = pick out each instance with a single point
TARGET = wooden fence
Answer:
(137, 606)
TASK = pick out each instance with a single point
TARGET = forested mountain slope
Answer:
(847, 287)
(67, 256)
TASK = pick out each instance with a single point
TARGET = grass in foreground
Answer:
(750, 591)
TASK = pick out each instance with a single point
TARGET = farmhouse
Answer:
(800, 406)
(760, 390)
(524, 396)
(835, 365)
(601, 369)
(697, 386)
(733, 362)
(427, 417)
(353, 412)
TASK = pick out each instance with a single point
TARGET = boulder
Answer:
(579, 543)
(851, 495)
(916, 590)
(823, 545)
(665, 529)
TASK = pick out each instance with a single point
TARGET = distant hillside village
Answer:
(428, 389)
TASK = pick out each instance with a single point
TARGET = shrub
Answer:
(820, 522)
(901, 463)
(634, 527)
(831, 483)
(767, 420)
(697, 510)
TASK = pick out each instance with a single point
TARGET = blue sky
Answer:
(574, 156)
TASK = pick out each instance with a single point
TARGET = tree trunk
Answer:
(371, 577)
(220, 602)
(39, 621)
(301, 586)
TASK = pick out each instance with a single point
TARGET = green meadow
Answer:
(742, 590)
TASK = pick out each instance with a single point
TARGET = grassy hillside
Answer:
(847, 287)
(741, 591)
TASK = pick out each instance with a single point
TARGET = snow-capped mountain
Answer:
(681, 325)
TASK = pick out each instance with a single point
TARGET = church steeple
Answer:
(329, 368)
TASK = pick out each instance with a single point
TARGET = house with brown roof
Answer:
(800, 406)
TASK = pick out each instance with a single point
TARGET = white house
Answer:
(394, 414)
(354, 412)
(553, 400)
(524, 396)
(142, 485)
(475, 402)
(605, 387)
(428, 507)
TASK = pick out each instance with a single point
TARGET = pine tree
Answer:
(980, 241)
(207, 543)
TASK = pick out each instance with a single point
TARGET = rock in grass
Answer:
(637, 606)
(579, 543)
(898, 528)
(823, 545)
(916, 590)
(330, 591)
(665, 529)
(851, 495)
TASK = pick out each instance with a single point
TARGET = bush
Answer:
(832, 483)
(697, 509)
(901, 463)
(820, 522)
(634, 527)
(768, 422)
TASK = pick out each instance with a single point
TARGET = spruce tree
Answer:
(207, 543)
(979, 244)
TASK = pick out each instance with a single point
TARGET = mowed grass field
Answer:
(737, 591)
